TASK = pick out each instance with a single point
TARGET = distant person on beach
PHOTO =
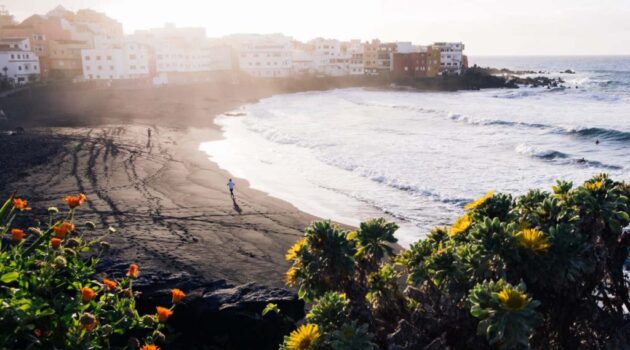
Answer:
(149, 132)
(597, 142)
(231, 185)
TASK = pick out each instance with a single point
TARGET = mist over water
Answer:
(419, 157)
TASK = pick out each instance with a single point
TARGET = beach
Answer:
(169, 204)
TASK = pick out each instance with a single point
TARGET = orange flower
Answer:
(133, 271)
(75, 201)
(17, 235)
(55, 242)
(149, 347)
(110, 284)
(163, 313)
(87, 294)
(177, 295)
(21, 204)
(63, 229)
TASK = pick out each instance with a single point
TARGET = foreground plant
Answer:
(545, 270)
(49, 296)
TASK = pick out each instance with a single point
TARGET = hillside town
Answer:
(86, 45)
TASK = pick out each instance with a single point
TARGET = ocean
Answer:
(418, 157)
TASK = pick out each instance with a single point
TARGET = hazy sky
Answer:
(487, 27)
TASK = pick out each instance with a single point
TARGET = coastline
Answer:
(167, 199)
(251, 161)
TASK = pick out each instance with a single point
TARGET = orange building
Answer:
(433, 61)
(65, 58)
(410, 65)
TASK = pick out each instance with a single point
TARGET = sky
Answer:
(487, 27)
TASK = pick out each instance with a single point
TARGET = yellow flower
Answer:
(533, 240)
(303, 338)
(291, 277)
(512, 299)
(479, 201)
(462, 224)
(594, 186)
(293, 252)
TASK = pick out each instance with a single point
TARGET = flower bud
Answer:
(133, 343)
(90, 225)
(35, 231)
(111, 230)
(53, 210)
(73, 242)
(87, 319)
(107, 329)
(70, 252)
(159, 337)
(60, 261)
(148, 320)
(104, 245)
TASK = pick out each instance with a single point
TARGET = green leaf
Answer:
(9, 277)
(271, 307)
(5, 209)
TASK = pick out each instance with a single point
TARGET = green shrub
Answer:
(49, 298)
(543, 270)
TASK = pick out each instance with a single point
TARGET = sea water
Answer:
(418, 157)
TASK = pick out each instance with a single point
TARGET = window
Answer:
(19, 67)
(109, 58)
(90, 76)
(87, 58)
(35, 67)
(98, 58)
(19, 56)
(12, 56)
(100, 67)
(111, 67)
(132, 57)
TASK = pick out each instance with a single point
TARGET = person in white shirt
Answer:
(231, 185)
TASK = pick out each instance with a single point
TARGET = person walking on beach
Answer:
(231, 185)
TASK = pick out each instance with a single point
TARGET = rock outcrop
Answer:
(218, 315)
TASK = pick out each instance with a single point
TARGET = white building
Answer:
(354, 49)
(127, 61)
(266, 56)
(335, 58)
(18, 63)
(184, 55)
(405, 47)
(451, 57)
(303, 60)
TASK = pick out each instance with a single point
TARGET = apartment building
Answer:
(65, 58)
(18, 63)
(410, 65)
(265, 56)
(451, 57)
(377, 57)
(302, 58)
(434, 66)
(128, 61)
(353, 50)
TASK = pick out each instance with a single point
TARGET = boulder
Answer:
(217, 315)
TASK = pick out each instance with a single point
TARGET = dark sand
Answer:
(170, 204)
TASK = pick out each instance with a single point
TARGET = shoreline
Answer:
(167, 199)
(320, 202)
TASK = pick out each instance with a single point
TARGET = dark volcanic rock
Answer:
(217, 315)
